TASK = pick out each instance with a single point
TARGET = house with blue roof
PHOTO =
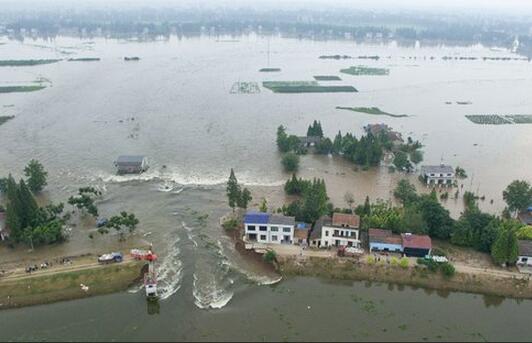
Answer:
(269, 228)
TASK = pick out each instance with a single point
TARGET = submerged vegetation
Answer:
(269, 70)
(304, 87)
(21, 89)
(134, 58)
(84, 59)
(23, 63)
(245, 88)
(5, 119)
(363, 70)
(371, 110)
(496, 119)
(327, 78)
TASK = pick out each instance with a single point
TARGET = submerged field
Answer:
(22, 63)
(327, 78)
(304, 87)
(20, 89)
(269, 70)
(363, 70)
(371, 110)
(5, 119)
(496, 119)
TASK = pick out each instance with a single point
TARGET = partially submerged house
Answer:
(525, 254)
(416, 245)
(309, 141)
(383, 129)
(341, 231)
(131, 164)
(438, 175)
(263, 227)
(4, 230)
(384, 240)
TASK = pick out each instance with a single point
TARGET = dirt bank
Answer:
(349, 269)
(65, 284)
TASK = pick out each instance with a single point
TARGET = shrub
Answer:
(447, 269)
(270, 256)
(371, 260)
(438, 252)
(404, 263)
(290, 162)
(394, 261)
(230, 224)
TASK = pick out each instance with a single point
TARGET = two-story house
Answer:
(269, 228)
(342, 230)
(441, 175)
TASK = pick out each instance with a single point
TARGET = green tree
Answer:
(416, 156)
(122, 222)
(401, 162)
(439, 222)
(518, 195)
(36, 175)
(314, 202)
(337, 144)
(290, 162)
(405, 192)
(84, 200)
(233, 190)
(505, 249)
(244, 199)
(412, 221)
(263, 206)
(325, 147)
(349, 199)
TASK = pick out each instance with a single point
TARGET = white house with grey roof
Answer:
(439, 175)
(268, 228)
(131, 164)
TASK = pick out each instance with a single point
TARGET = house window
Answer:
(251, 228)
(353, 234)
(274, 238)
(262, 237)
(287, 229)
(263, 228)
(336, 232)
(274, 229)
(326, 233)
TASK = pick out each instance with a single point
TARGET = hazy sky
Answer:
(517, 6)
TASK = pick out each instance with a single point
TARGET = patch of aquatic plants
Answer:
(84, 59)
(327, 78)
(20, 89)
(496, 119)
(269, 70)
(25, 63)
(5, 119)
(304, 87)
(366, 71)
(371, 110)
(245, 88)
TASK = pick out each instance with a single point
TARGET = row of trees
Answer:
(236, 196)
(315, 130)
(36, 177)
(312, 203)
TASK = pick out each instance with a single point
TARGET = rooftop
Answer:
(309, 139)
(437, 169)
(416, 241)
(525, 248)
(282, 220)
(384, 236)
(256, 218)
(127, 159)
(302, 226)
(526, 217)
(343, 219)
(316, 230)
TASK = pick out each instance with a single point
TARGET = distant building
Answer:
(131, 164)
(343, 230)
(378, 129)
(269, 228)
(416, 245)
(384, 240)
(526, 216)
(309, 141)
(315, 234)
(525, 254)
(439, 175)
(301, 234)
(4, 230)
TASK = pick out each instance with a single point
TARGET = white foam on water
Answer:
(189, 231)
(170, 272)
(209, 295)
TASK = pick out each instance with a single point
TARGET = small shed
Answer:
(131, 164)
(525, 253)
(384, 240)
(416, 245)
(309, 141)
(301, 234)
(315, 234)
(526, 216)
(4, 230)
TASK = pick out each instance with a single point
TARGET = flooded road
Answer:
(174, 106)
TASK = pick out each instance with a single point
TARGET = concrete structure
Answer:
(384, 240)
(440, 175)
(343, 230)
(268, 228)
(416, 245)
(309, 141)
(131, 164)
(301, 234)
(315, 234)
(526, 216)
(4, 231)
(525, 254)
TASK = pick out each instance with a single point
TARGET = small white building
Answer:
(269, 228)
(440, 175)
(525, 256)
(340, 231)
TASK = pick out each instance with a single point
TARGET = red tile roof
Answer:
(416, 241)
(343, 219)
(384, 236)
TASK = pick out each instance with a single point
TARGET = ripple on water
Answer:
(170, 271)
